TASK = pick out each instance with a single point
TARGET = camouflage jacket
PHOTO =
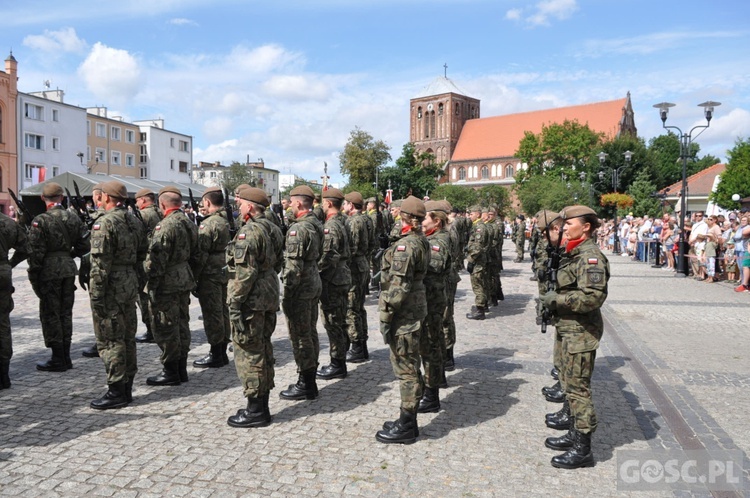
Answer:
(457, 252)
(252, 261)
(479, 241)
(213, 237)
(395, 230)
(55, 237)
(493, 238)
(582, 289)
(151, 217)
(271, 216)
(12, 236)
(334, 260)
(403, 268)
(304, 243)
(277, 242)
(172, 255)
(534, 240)
(359, 241)
(519, 233)
(118, 245)
(440, 267)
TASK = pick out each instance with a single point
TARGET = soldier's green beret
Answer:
(576, 212)
(396, 203)
(545, 218)
(96, 187)
(355, 198)
(52, 189)
(485, 210)
(445, 206)
(333, 193)
(170, 189)
(252, 194)
(433, 206)
(476, 208)
(212, 189)
(413, 206)
(144, 192)
(115, 189)
(302, 191)
(370, 199)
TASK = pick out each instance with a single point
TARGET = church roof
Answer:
(499, 136)
(440, 86)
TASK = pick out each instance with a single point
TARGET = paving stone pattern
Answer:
(692, 339)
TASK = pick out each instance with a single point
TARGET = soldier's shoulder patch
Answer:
(35, 224)
(401, 248)
(96, 226)
(201, 226)
(595, 276)
(593, 261)
(436, 248)
(292, 233)
(157, 227)
(242, 236)
(326, 231)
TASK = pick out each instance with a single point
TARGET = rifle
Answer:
(230, 215)
(195, 207)
(553, 263)
(25, 213)
(80, 202)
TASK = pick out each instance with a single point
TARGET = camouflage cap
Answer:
(115, 189)
(370, 199)
(576, 212)
(144, 192)
(52, 189)
(485, 210)
(302, 191)
(413, 206)
(396, 203)
(212, 189)
(546, 217)
(333, 193)
(355, 198)
(98, 187)
(476, 208)
(252, 194)
(170, 189)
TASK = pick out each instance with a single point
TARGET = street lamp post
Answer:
(686, 140)
(615, 184)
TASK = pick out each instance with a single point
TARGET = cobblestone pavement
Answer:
(674, 357)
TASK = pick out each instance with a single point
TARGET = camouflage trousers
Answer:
(479, 284)
(172, 325)
(6, 306)
(253, 353)
(147, 316)
(577, 367)
(56, 299)
(494, 279)
(302, 318)
(356, 316)
(519, 249)
(333, 304)
(449, 324)
(403, 341)
(115, 340)
(432, 344)
(212, 296)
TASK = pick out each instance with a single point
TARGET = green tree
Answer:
(459, 196)
(236, 175)
(736, 178)
(495, 194)
(317, 188)
(546, 192)
(413, 172)
(361, 156)
(642, 191)
(699, 165)
(366, 189)
(665, 152)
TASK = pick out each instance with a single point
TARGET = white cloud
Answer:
(544, 12)
(63, 40)
(218, 128)
(111, 74)
(181, 21)
(513, 14)
(650, 43)
(262, 59)
(296, 87)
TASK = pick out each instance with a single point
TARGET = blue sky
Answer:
(288, 80)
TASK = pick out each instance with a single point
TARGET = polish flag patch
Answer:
(35, 224)
(401, 248)
(325, 231)
(436, 248)
(593, 261)
(96, 227)
(293, 233)
(241, 236)
(157, 227)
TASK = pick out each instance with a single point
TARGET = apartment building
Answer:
(212, 175)
(163, 155)
(8, 131)
(112, 144)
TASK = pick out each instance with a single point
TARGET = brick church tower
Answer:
(437, 117)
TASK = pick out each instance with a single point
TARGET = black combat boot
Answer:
(578, 456)
(182, 369)
(555, 373)
(443, 380)
(305, 388)
(146, 337)
(336, 370)
(450, 362)
(56, 363)
(562, 443)
(493, 300)
(500, 295)
(561, 420)
(533, 277)
(91, 352)
(403, 431)
(224, 356)
(66, 354)
(115, 397)
(357, 354)
(430, 402)
(555, 395)
(4, 374)
(129, 390)
(254, 415)
(477, 313)
(213, 359)
(169, 376)
(552, 389)
(364, 350)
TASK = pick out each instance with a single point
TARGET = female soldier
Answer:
(581, 291)
(403, 306)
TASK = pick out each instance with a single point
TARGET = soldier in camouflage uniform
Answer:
(211, 279)
(84, 270)
(173, 254)
(145, 201)
(432, 341)
(12, 236)
(403, 306)
(581, 291)
(253, 296)
(359, 242)
(395, 233)
(457, 264)
(476, 264)
(494, 257)
(534, 246)
(118, 245)
(519, 237)
(55, 237)
(302, 288)
(336, 280)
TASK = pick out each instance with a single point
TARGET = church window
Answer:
(509, 171)
(494, 170)
(432, 124)
(419, 113)
(485, 173)
(453, 173)
(457, 109)
(440, 110)
(462, 173)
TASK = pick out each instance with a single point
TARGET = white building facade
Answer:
(164, 155)
(212, 175)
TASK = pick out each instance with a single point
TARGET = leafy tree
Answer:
(366, 189)
(546, 192)
(236, 175)
(736, 178)
(642, 191)
(299, 181)
(495, 194)
(459, 196)
(704, 162)
(415, 173)
(665, 151)
(361, 156)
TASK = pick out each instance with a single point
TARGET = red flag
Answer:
(388, 196)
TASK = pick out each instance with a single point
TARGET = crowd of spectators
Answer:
(718, 245)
